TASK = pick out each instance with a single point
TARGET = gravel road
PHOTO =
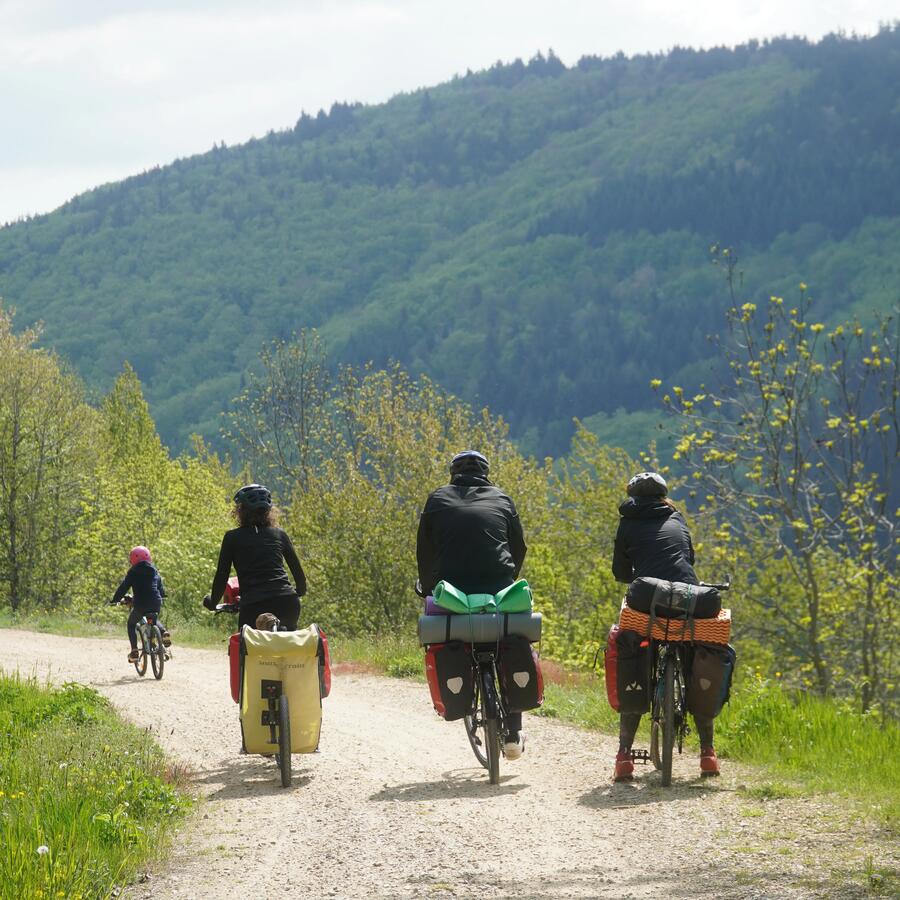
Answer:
(394, 804)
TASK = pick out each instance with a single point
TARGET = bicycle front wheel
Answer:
(140, 664)
(284, 740)
(157, 652)
(668, 722)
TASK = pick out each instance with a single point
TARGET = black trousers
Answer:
(286, 609)
(138, 613)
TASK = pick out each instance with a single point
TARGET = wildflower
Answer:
(43, 849)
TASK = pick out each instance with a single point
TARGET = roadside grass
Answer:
(84, 797)
(210, 631)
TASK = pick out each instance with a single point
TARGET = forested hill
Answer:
(533, 236)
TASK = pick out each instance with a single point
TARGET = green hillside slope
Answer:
(534, 237)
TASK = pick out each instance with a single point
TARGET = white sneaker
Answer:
(514, 749)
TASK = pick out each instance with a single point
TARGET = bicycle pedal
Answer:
(642, 756)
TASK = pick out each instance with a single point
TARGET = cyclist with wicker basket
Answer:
(653, 541)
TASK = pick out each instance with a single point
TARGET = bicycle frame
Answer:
(485, 663)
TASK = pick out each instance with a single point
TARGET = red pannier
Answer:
(234, 660)
(521, 680)
(324, 665)
(610, 661)
(448, 668)
(232, 592)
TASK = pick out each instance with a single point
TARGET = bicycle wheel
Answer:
(157, 651)
(655, 754)
(284, 740)
(668, 722)
(492, 743)
(140, 664)
(475, 731)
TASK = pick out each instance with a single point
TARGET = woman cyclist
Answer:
(653, 541)
(258, 550)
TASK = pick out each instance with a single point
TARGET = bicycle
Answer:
(150, 643)
(668, 692)
(486, 725)
(277, 715)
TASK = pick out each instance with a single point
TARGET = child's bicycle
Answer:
(150, 643)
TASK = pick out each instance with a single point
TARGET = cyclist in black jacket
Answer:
(653, 541)
(258, 550)
(470, 535)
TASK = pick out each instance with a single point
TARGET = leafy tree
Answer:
(797, 454)
(45, 431)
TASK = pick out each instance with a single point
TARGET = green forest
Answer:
(534, 238)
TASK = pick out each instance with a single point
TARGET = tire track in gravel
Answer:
(395, 805)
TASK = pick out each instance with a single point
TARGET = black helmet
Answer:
(647, 484)
(254, 496)
(469, 461)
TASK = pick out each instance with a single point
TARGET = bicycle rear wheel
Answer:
(284, 740)
(140, 664)
(668, 722)
(157, 651)
(492, 745)
(474, 723)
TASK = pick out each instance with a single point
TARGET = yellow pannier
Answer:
(289, 660)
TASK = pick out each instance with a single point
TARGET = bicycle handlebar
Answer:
(721, 586)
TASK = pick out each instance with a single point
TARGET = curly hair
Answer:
(260, 518)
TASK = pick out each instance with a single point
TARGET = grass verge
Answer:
(84, 797)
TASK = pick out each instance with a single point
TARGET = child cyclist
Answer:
(148, 592)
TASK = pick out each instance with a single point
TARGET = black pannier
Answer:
(521, 680)
(710, 686)
(448, 668)
(674, 599)
(633, 662)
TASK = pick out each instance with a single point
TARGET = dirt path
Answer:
(394, 805)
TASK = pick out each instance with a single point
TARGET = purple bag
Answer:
(432, 609)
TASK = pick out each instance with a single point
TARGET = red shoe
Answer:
(709, 764)
(624, 766)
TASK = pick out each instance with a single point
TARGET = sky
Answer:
(92, 91)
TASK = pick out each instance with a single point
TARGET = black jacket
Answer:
(652, 541)
(258, 556)
(471, 536)
(146, 587)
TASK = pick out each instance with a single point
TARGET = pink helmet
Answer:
(139, 554)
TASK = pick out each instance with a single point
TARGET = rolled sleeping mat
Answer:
(479, 628)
